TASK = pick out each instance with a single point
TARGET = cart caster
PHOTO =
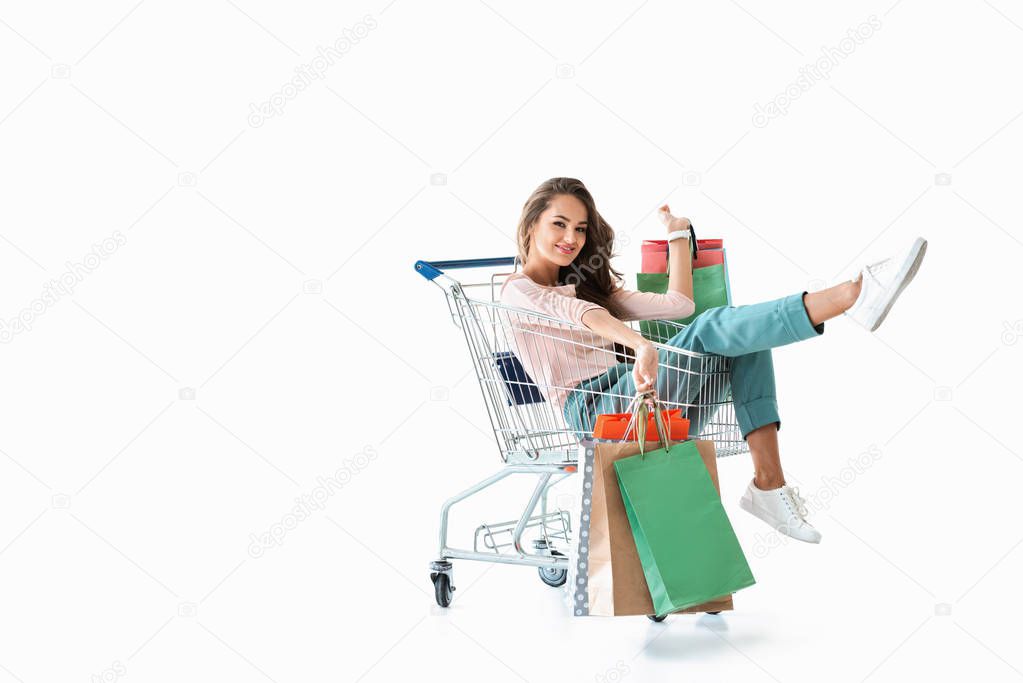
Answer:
(442, 590)
(551, 576)
(652, 617)
(441, 576)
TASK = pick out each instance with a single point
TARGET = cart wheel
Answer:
(718, 612)
(553, 577)
(655, 618)
(442, 589)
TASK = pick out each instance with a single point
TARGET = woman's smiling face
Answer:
(560, 232)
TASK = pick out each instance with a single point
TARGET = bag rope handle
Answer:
(639, 409)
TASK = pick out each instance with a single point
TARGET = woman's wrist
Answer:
(678, 223)
(679, 235)
(642, 344)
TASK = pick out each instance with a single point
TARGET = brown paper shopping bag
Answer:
(616, 584)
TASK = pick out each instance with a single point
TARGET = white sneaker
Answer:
(783, 508)
(883, 282)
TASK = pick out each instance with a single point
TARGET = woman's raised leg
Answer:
(831, 302)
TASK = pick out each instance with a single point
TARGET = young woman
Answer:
(565, 248)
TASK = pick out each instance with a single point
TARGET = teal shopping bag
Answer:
(686, 543)
(710, 290)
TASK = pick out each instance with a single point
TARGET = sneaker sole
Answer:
(746, 505)
(906, 275)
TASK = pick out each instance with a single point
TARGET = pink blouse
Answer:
(558, 357)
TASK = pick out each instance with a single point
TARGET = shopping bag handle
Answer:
(639, 413)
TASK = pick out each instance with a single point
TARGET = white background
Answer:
(268, 269)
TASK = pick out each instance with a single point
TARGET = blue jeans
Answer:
(745, 334)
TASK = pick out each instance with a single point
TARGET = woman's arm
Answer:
(680, 262)
(678, 301)
(680, 280)
(644, 372)
(634, 305)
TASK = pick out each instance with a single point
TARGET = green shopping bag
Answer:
(710, 290)
(686, 544)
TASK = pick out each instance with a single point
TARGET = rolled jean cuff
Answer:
(757, 413)
(797, 320)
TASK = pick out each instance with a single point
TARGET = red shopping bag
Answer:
(613, 426)
(710, 252)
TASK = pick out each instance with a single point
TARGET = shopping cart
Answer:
(532, 435)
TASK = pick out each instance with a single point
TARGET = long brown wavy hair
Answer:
(591, 271)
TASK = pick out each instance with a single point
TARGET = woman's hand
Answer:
(644, 372)
(673, 223)
(680, 264)
(644, 369)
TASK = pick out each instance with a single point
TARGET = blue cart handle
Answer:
(431, 269)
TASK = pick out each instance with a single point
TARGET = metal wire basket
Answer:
(526, 410)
